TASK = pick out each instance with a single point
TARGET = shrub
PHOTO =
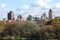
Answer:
(22, 29)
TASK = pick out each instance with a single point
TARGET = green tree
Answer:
(24, 29)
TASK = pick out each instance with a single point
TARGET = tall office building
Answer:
(50, 14)
(29, 18)
(44, 15)
(11, 15)
(19, 17)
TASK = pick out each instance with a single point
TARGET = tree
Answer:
(9, 31)
(54, 22)
(24, 29)
(27, 28)
(42, 22)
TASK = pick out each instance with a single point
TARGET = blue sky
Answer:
(26, 7)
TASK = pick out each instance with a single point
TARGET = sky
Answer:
(28, 7)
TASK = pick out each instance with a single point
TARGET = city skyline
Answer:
(26, 7)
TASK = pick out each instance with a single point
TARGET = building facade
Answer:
(11, 15)
(50, 14)
(19, 17)
(33, 19)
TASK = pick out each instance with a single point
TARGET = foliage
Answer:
(54, 22)
(22, 29)
(42, 21)
(1, 25)
(48, 32)
(48, 22)
(27, 28)
(10, 30)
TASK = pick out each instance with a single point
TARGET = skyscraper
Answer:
(11, 15)
(44, 15)
(50, 14)
(29, 18)
(19, 17)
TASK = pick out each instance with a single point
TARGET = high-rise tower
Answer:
(11, 15)
(50, 14)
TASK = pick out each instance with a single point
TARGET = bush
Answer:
(27, 28)
(22, 29)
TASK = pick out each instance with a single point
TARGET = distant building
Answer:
(50, 14)
(19, 17)
(4, 19)
(29, 18)
(37, 20)
(11, 15)
(33, 19)
(43, 16)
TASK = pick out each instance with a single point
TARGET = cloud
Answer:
(23, 10)
(3, 14)
(57, 5)
(3, 5)
(25, 6)
(33, 10)
(42, 2)
(37, 8)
